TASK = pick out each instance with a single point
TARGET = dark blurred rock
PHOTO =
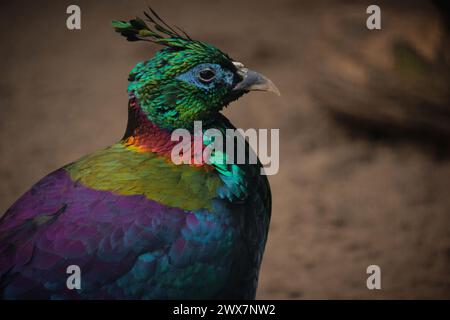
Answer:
(393, 79)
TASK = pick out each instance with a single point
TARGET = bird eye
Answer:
(206, 75)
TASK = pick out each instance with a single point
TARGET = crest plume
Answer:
(158, 32)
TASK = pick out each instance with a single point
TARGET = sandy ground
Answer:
(343, 199)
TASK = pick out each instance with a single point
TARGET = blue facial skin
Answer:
(222, 76)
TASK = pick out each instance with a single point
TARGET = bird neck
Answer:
(142, 135)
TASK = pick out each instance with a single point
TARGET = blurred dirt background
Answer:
(364, 121)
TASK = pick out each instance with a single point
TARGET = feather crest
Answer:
(158, 32)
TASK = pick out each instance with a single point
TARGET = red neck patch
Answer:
(143, 135)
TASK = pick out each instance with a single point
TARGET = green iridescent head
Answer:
(186, 81)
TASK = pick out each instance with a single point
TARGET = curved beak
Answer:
(254, 81)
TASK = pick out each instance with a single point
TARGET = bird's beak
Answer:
(253, 81)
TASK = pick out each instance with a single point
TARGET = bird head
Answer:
(187, 80)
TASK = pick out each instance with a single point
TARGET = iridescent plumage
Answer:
(137, 225)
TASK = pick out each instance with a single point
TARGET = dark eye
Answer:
(206, 75)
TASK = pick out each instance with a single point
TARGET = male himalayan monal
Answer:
(135, 224)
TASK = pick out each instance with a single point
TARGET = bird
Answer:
(134, 223)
